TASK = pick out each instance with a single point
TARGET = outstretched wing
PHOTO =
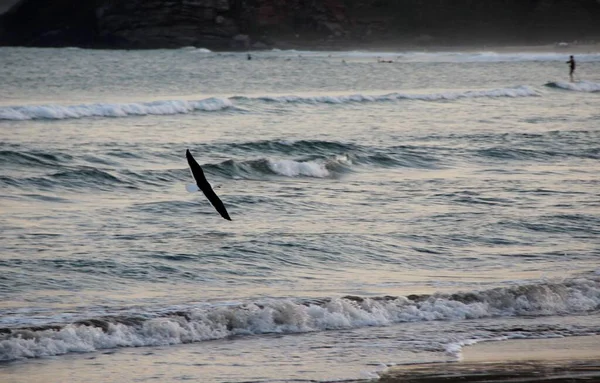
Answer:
(205, 186)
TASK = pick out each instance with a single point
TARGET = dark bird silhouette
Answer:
(205, 186)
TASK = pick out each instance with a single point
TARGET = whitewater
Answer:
(383, 213)
(166, 107)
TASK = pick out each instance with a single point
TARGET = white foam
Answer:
(290, 168)
(11, 114)
(288, 316)
(170, 107)
(201, 50)
(59, 112)
(455, 349)
(195, 50)
(513, 92)
(579, 86)
(519, 91)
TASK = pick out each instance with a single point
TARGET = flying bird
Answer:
(205, 186)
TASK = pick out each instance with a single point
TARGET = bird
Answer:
(203, 185)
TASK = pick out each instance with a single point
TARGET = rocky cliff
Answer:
(244, 24)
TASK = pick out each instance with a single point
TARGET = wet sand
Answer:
(574, 359)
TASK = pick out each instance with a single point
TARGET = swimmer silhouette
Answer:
(205, 186)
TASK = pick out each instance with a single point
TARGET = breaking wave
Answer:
(519, 91)
(260, 159)
(58, 112)
(318, 168)
(579, 295)
(579, 86)
(255, 160)
(195, 49)
(169, 107)
(318, 159)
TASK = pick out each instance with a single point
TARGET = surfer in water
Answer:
(571, 63)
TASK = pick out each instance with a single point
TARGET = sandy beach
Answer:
(571, 359)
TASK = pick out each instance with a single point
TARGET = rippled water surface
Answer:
(383, 213)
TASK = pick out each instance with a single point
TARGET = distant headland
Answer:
(295, 24)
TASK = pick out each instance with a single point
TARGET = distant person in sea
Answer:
(571, 63)
(249, 56)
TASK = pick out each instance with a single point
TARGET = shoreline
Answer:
(570, 359)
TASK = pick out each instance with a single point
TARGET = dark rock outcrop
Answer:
(243, 24)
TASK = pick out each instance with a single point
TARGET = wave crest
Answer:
(518, 91)
(33, 158)
(579, 86)
(317, 168)
(169, 107)
(578, 295)
(58, 112)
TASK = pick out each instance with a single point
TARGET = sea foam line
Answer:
(579, 86)
(59, 112)
(291, 316)
(519, 91)
(168, 107)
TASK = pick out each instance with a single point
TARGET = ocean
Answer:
(383, 213)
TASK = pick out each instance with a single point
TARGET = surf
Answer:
(578, 86)
(292, 316)
(240, 104)
(113, 110)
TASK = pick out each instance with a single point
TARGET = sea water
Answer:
(383, 213)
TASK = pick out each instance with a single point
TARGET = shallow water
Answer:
(382, 213)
